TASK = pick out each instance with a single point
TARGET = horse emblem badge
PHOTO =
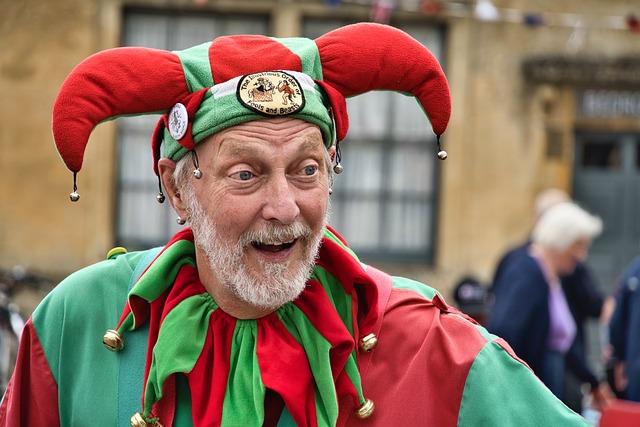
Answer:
(271, 93)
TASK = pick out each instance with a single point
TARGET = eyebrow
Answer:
(236, 147)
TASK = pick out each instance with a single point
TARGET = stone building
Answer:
(554, 105)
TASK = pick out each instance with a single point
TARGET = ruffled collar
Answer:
(305, 351)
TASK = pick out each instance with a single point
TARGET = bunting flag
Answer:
(485, 10)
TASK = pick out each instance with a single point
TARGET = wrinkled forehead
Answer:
(275, 137)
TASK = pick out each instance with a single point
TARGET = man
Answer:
(259, 313)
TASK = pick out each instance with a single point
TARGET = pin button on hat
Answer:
(178, 120)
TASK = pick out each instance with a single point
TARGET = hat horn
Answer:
(126, 80)
(366, 56)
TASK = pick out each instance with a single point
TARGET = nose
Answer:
(280, 201)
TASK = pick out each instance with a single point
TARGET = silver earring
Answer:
(330, 191)
(338, 169)
(197, 173)
(181, 221)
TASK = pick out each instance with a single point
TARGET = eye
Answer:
(310, 170)
(243, 175)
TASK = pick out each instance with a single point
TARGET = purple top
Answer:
(562, 326)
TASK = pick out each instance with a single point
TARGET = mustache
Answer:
(273, 234)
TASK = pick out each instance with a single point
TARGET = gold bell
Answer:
(368, 342)
(366, 409)
(137, 420)
(112, 340)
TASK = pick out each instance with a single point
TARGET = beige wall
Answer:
(40, 229)
(495, 140)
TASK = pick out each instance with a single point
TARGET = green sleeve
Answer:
(501, 391)
(70, 323)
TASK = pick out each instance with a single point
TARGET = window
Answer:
(141, 221)
(384, 202)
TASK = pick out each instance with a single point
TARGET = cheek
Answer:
(313, 209)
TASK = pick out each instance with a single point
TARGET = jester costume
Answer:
(185, 362)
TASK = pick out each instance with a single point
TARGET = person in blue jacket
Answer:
(530, 307)
(624, 330)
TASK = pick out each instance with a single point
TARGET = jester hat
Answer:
(234, 79)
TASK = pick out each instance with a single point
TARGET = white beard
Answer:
(278, 282)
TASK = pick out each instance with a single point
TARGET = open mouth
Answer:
(273, 247)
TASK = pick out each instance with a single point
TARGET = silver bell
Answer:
(197, 173)
(160, 198)
(442, 154)
(74, 196)
(338, 169)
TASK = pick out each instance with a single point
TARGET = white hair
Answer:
(549, 198)
(563, 224)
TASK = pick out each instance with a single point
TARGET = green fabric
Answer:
(317, 351)
(286, 420)
(328, 234)
(132, 356)
(528, 402)
(182, 417)
(244, 400)
(86, 303)
(218, 113)
(177, 350)
(420, 288)
(307, 51)
(341, 301)
(159, 276)
(196, 66)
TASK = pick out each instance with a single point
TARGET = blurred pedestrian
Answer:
(531, 310)
(471, 297)
(585, 301)
(624, 332)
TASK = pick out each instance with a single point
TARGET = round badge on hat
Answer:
(271, 93)
(178, 121)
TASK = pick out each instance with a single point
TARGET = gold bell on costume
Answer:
(368, 342)
(112, 340)
(366, 410)
(137, 420)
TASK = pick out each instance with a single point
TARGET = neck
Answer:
(551, 270)
(223, 296)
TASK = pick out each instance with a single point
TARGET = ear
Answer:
(332, 153)
(166, 168)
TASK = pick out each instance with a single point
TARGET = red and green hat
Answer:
(234, 79)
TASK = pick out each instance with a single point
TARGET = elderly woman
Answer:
(530, 309)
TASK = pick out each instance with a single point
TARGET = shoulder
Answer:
(91, 286)
(417, 314)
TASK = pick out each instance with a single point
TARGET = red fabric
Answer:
(348, 271)
(338, 109)
(289, 363)
(233, 56)
(191, 103)
(208, 379)
(621, 413)
(350, 60)
(126, 80)
(315, 304)
(31, 399)
(422, 360)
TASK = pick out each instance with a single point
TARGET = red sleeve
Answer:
(31, 398)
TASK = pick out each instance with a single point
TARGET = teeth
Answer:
(274, 243)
